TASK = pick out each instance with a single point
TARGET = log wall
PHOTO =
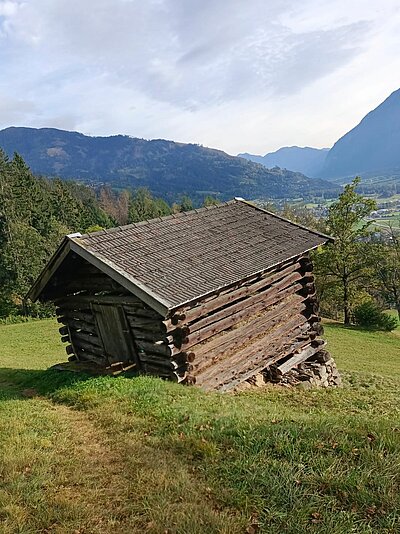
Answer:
(267, 322)
(154, 343)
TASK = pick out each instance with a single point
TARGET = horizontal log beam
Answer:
(163, 363)
(87, 317)
(255, 359)
(88, 356)
(169, 351)
(296, 359)
(141, 311)
(89, 346)
(146, 323)
(161, 348)
(243, 334)
(151, 337)
(78, 336)
(224, 298)
(259, 305)
(265, 351)
(75, 324)
(267, 295)
(171, 375)
(75, 301)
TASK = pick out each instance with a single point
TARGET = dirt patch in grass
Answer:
(64, 473)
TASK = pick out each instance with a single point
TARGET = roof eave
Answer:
(49, 270)
(69, 244)
(255, 273)
(120, 276)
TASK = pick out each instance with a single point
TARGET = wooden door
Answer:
(114, 332)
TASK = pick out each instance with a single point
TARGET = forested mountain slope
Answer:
(167, 168)
(35, 213)
(373, 145)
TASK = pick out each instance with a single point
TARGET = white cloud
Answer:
(237, 75)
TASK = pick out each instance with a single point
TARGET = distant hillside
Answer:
(165, 167)
(306, 160)
(373, 146)
(371, 150)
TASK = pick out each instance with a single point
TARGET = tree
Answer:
(186, 203)
(114, 204)
(346, 261)
(387, 268)
(210, 201)
(303, 216)
(34, 215)
(143, 206)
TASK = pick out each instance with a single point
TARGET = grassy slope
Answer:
(123, 455)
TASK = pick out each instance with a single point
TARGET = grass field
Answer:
(100, 455)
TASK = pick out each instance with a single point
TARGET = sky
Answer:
(239, 75)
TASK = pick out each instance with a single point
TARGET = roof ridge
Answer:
(316, 232)
(157, 219)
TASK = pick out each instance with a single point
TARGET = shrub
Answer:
(370, 315)
(15, 319)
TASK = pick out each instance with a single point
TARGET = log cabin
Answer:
(210, 297)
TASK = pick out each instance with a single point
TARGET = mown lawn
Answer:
(141, 455)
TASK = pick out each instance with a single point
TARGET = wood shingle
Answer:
(211, 296)
(185, 256)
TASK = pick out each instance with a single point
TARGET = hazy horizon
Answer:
(239, 77)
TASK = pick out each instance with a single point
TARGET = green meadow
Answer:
(133, 455)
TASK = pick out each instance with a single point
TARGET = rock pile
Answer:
(318, 371)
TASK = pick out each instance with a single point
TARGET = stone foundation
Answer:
(318, 371)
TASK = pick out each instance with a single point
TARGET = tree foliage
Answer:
(144, 206)
(345, 263)
(34, 214)
(387, 268)
(370, 315)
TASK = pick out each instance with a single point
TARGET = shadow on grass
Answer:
(13, 382)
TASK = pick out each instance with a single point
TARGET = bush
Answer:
(16, 319)
(370, 315)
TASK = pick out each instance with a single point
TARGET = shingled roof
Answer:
(181, 257)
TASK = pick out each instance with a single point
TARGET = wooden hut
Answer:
(211, 296)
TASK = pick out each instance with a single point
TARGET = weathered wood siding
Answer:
(268, 321)
(109, 327)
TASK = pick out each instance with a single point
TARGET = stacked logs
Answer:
(80, 333)
(268, 320)
(318, 371)
(158, 343)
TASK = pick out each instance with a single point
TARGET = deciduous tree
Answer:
(346, 262)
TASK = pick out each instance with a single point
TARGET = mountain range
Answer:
(167, 168)
(371, 148)
(306, 160)
(170, 169)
